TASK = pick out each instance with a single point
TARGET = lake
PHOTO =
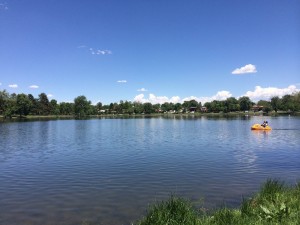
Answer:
(107, 171)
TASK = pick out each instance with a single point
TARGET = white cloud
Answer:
(81, 46)
(100, 52)
(249, 68)
(13, 86)
(142, 89)
(33, 86)
(175, 99)
(152, 99)
(103, 52)
(49, 95)
(122, 81)
(0, 84)
(221, 95)
(186, 99)
(261, 93)
(158, 99)
(140, 98)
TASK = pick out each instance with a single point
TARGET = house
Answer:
(193, 109)
(203, 109)
(257, 108)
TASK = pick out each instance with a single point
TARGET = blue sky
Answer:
(150, 50)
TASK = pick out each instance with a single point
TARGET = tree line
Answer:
(23, 105)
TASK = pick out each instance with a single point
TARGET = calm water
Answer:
(107, 171)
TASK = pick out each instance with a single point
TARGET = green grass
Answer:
(275, 204)
(175, 211)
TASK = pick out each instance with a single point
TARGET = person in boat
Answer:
(264, 124)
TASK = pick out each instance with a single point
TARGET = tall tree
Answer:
(287, 103)
(4, 97)
(245, 103)
(34, 105)
(54, 107)
(99, 107)
(23, 105)
(66, 108)
(148, 108)
(232, 104)
(276, 103)
(81, 106)
(43, 104)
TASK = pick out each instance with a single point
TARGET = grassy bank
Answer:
(275, 203)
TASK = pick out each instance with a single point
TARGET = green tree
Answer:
(167, 106)
(99, 107)
(34, 105)
(23, 105)
(296, 100)
(81, 106)
(232, 104)
(54, 107)
(148, 108)
(127, 107)
(208, 106)
(10, 107)
(138, 107)
(156, 107)
(177, 107)
(287, 103)
(43, 104)
(217, 106)
(276, 103)
(4, 97)
(66, 108)
(245, 103)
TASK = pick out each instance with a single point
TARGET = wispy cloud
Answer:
(0, 84)
(3, 6)
(100, 52)
(267, 93)
(13, 86)
(122, 81)
(249, 68)
(142, 89)
(95, 51)
(34, 86)
(49, 95)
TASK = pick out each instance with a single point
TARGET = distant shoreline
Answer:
(120, 116)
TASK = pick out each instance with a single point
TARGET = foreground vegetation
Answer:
(275, 203)
(22, 105)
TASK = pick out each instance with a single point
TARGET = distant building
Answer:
(257, 108)
(193, 109)
(203, 109)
